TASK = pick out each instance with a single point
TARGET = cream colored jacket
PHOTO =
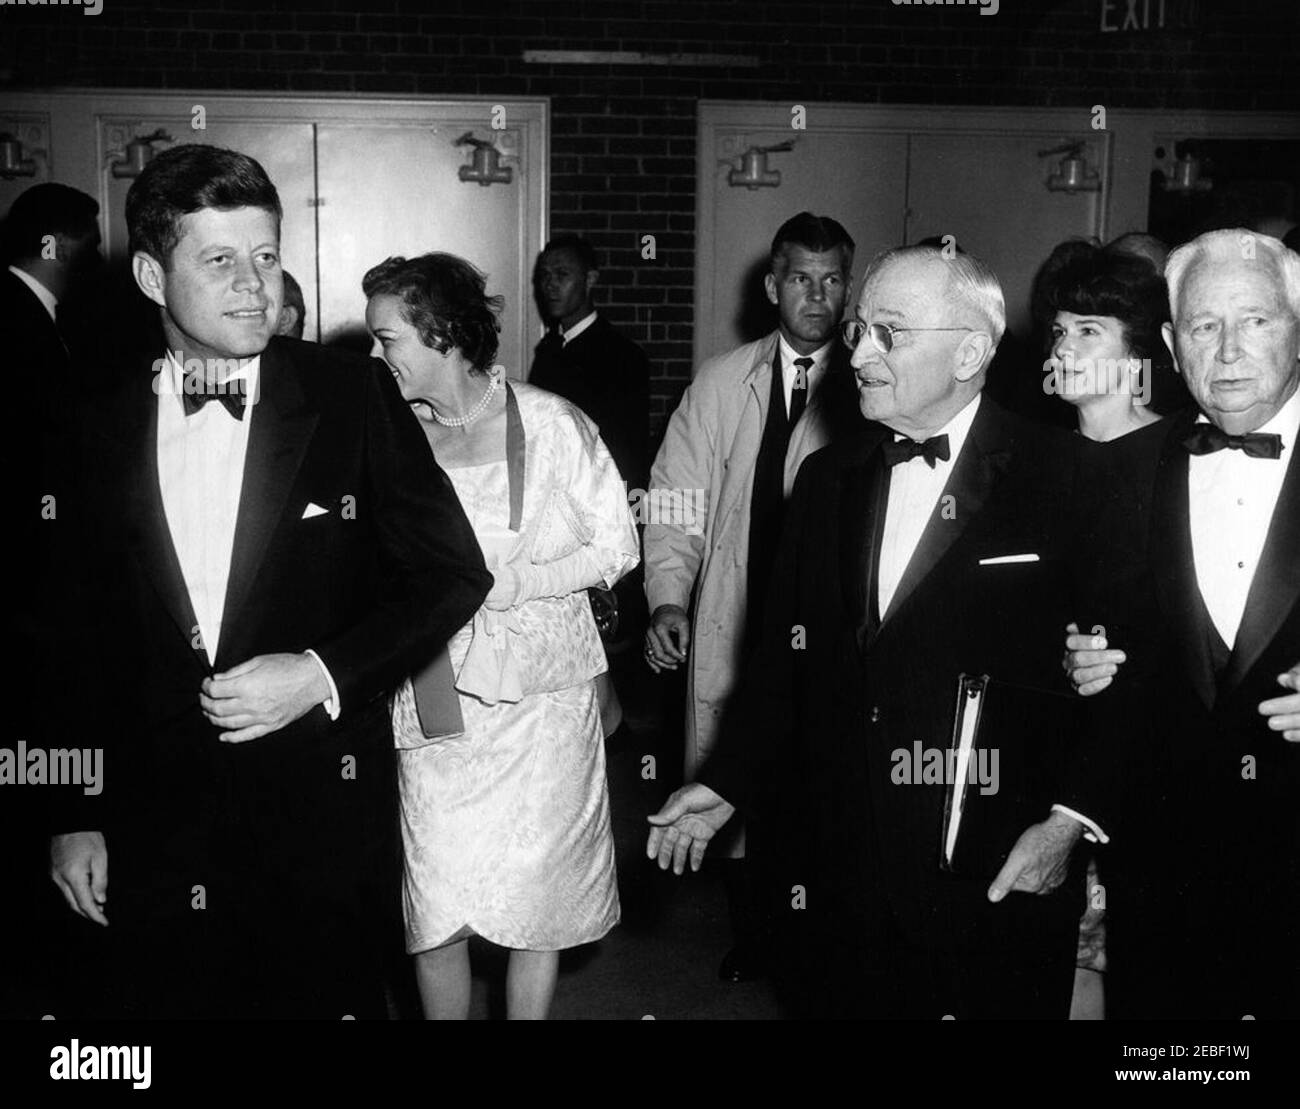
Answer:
(711, 445)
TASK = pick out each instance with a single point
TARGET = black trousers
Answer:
(1203, 943)
(849, 954)
(246, 942)
(889, 975)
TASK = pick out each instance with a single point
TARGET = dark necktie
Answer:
(1208, 438)
(232, 398)
(799, 392)
(767, 499)
(552, 343)
(904, 449)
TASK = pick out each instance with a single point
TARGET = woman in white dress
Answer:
(505, 827)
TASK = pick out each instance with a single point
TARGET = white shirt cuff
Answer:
(1092, 832)
(332, 701)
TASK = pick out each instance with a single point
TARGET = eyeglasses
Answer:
(882, 334)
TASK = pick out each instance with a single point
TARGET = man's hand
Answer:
(262, 695)
(79, 867)
(668, 638)
(1040, 859)
(1090, 666)
(689, 819)
(1284, 712)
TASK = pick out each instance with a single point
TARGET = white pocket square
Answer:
(1003, 560)
(313, 510)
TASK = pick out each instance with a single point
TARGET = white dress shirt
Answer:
(201, 476)
(914, 490)
(48, 300)
(577, 329)
(1231, 499)
(789, 371)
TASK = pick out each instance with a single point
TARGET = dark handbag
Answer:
(604, 607)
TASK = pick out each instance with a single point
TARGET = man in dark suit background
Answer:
(1201, 731)
(51, 248)
(938, 543)
(269, 548)
(587, 360)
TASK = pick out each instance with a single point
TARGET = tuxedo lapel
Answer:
(1178, 592)
(277, 442)
(984, 457)
(1276, 587)
(150, 535)
(862, 508)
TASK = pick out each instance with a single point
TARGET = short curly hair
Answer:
(445, 299)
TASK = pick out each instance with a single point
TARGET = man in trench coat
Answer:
(728, 462)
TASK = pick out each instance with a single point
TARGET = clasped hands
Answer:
(694, 814)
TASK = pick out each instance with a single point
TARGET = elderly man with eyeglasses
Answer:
(939, 543)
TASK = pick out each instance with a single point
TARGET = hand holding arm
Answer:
(1090, 666)
(1284, 712)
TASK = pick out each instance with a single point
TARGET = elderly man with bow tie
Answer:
(940, 542)
(1203, 720)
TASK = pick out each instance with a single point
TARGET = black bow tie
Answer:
(904, 449)
(232, 398)
(1208, 438)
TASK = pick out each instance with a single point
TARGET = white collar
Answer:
(173, 378)
(48, 300)
(957, 429)
(789, 354)
(578, 328)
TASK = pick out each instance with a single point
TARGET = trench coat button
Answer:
(875, 714)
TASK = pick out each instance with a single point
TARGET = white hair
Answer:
(975, 285)
(1239, 244)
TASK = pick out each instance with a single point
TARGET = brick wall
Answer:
(624, 137)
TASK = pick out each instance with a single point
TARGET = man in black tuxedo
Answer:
(587, 360)
(1201, 730)
(270, 547)
(937, 543)
(51, 248)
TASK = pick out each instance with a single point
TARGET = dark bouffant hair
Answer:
(816, 233)
(186, 179)
(445, 299)
(1092, 280)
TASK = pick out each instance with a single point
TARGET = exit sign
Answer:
(1149, 15)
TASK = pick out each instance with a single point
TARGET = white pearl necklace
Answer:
(475, 412)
